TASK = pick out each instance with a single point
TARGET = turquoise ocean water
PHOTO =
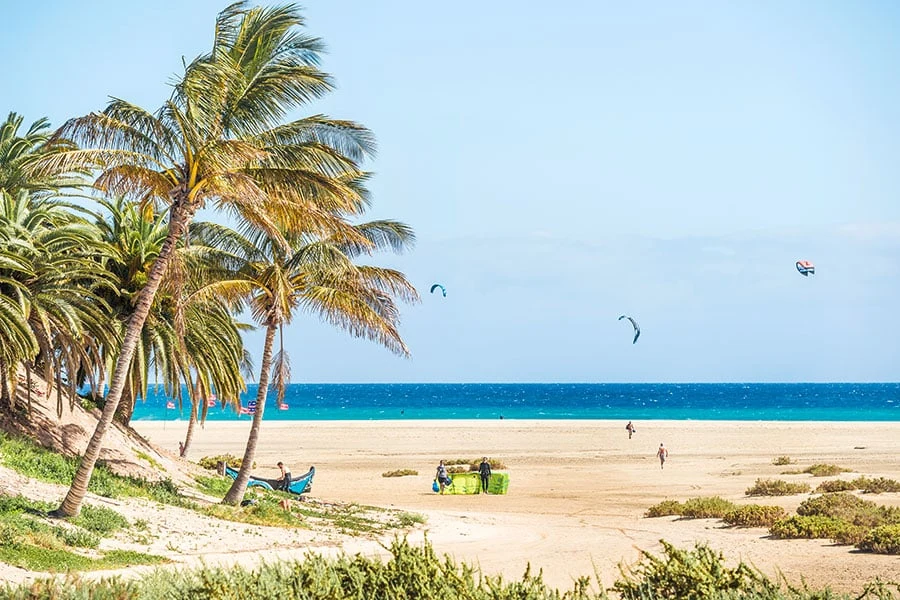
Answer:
(699, 401)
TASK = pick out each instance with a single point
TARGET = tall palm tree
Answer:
(317, 275)
(220, 140)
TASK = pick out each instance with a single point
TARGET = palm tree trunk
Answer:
(180, 217)
(5, 396)
(189, 435)
(236, 494)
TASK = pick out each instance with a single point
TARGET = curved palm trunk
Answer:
(180, 216)
(236, 494)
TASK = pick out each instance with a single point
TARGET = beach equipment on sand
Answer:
(435, 486)
(299, 484)
(637, 330)
(806, 268)
(470, 483)
(442, 288)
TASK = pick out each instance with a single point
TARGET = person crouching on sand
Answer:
(662, 453)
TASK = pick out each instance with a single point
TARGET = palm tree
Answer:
(316, 275)
(19, 153)
(52, 277)
(172, 342)
(220, 140)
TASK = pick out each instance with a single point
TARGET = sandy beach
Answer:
(578, 489)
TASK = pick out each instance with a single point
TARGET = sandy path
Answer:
(578, 489)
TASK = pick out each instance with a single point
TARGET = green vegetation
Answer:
(776, 487)
(214, 486)
(843, 518)
(867, 485)
(28, 458)
(781, 460)
(884, 539)
(822, 470)
(411, 572)
(210, 462)
(665, 508)
(29, 540)
(836, 485)
(754, 515)
(693, 508)
(817, 526)
(400, 473)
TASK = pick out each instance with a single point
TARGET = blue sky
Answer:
(564, 164)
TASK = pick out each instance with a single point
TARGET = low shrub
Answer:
(842, 505)
(881, 540)
(877, 485)
(697, 573)
(782, 460)
(754, 515)
(399, 473)
(815, 527)
(100, 520)
(850, 508)
(776, 487)
(707, 508)
(822, 470)
(836, 485)
(665, 508)
(210, 462)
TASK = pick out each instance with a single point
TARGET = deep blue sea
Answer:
(699, 401)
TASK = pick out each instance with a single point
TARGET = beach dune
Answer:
(578, 489)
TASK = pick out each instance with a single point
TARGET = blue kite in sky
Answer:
(443, 289)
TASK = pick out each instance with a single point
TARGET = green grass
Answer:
(28, 539)
(216, 485)
(149, 459)
(32, 460)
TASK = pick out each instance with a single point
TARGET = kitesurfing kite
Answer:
(637, 330)
(443, 289)
(806, 268)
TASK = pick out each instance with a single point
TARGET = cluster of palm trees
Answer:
(105, 280)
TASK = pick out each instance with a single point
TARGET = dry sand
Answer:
(578, 489)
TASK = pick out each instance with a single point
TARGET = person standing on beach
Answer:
(630, 429)
(484, 469)
(442, 478)
(662, 453)
(285, 477)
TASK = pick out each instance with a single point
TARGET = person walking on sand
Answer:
(630, 429)
(484, 469)
(442, 478)
(662, 453)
